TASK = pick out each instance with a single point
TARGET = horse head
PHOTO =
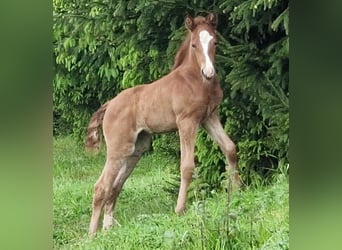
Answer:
(203, 42)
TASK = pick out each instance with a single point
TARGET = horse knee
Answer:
(187, 171)
(231, 152)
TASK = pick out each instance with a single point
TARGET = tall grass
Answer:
(256, 218)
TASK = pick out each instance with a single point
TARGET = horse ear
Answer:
(189, 23)
(212, 19)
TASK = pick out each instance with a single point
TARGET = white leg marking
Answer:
(107, 221)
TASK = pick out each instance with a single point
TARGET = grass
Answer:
(256, 218)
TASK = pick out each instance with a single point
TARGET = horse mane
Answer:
(181, 53)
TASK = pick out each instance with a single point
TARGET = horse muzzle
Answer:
(208, 73)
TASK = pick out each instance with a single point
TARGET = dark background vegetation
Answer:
(103, 47)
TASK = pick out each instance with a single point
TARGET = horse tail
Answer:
(93, 139)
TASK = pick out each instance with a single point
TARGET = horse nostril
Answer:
(204, 75)
(207, 76)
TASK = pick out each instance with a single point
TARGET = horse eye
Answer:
(193, 45)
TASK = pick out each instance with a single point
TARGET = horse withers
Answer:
(182, 100)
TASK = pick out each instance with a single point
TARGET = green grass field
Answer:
(255, 218)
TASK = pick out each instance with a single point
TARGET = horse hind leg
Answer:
(142, 144)
(124, 172)
(102, 191)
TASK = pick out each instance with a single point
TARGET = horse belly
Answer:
(158, 121)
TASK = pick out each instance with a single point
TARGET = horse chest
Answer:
(201, 103)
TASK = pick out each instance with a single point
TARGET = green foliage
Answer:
(103, 47)
(167, 145)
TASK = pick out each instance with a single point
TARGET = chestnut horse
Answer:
(183, 100)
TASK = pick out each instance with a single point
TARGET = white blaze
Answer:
(208, 68)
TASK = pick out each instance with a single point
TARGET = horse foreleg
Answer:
(187, 133)
(214, 128)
